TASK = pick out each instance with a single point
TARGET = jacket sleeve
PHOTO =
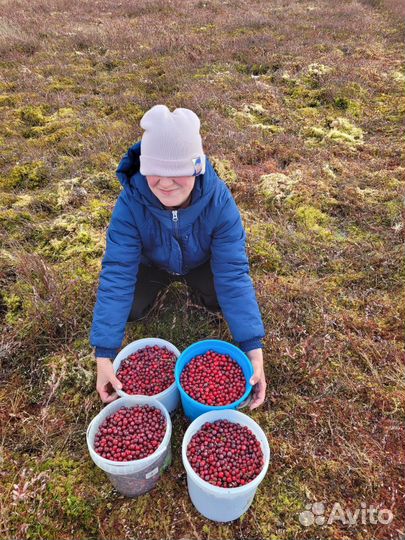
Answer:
(233, 284)
(117, 281)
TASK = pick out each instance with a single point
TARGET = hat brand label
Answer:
(197, 166)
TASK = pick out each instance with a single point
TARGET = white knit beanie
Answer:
(171, 144)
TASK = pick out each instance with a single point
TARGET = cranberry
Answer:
(130, 433)
(235, 455)
(213, 379)
(148, 371)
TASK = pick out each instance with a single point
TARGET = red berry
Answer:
(229, 464)
(213, 379)
(148, 371)
(126, 443)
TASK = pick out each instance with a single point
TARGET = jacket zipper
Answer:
(175, 221)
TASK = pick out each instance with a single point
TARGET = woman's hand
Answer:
(258, 378)
(107, 382)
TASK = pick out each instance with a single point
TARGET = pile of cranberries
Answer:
(213, 379)
(148, 371)
(130, 433)
(225, 454)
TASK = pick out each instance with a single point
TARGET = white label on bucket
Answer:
(152, 473)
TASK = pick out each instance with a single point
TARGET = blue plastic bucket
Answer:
(192, 408)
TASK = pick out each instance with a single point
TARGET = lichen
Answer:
(317, 70)
(398, 76)
(343, 131)
(276, 187)
(339, 130)
(257, 116)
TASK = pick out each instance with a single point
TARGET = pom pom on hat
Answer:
(171, 143)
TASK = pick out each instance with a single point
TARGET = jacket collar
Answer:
(131, 178)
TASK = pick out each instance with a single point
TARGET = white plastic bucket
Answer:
(170, 397)
(132, 478)
(218, 503)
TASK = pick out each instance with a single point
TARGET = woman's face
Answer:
(171, 190)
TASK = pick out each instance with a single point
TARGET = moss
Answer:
(218, 73)
(8, 100)
(71, 492)
(276, 508)
(224, 170)
(44, 201)
(253, 69)
(70, 237)
(314, 132)
(7, 199)
(258, 116)
(349, 105)
(343, 131)
(105, 182)
(33, 115)
(132, 111)
(311, 216)
(359, 235)
(14, 305)
(205, 28)
(314, 220)
(339, 130)
(391, 108)
(100, 162)
(393, 211)
(100, 213)
(277, 187)
(301, 95)
(15, 222)
(266, 255)
(30, 175)
(54, 128)
(60, 84)
(262, 250)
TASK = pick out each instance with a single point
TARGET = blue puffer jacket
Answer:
(142, 230)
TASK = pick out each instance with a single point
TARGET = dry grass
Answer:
(310, 93)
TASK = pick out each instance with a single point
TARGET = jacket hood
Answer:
(130, 177)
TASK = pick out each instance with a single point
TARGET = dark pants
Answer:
(151, 280)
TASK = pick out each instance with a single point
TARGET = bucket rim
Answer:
(239, 419)
(136, 400)
(117, 363)
(243, 398)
